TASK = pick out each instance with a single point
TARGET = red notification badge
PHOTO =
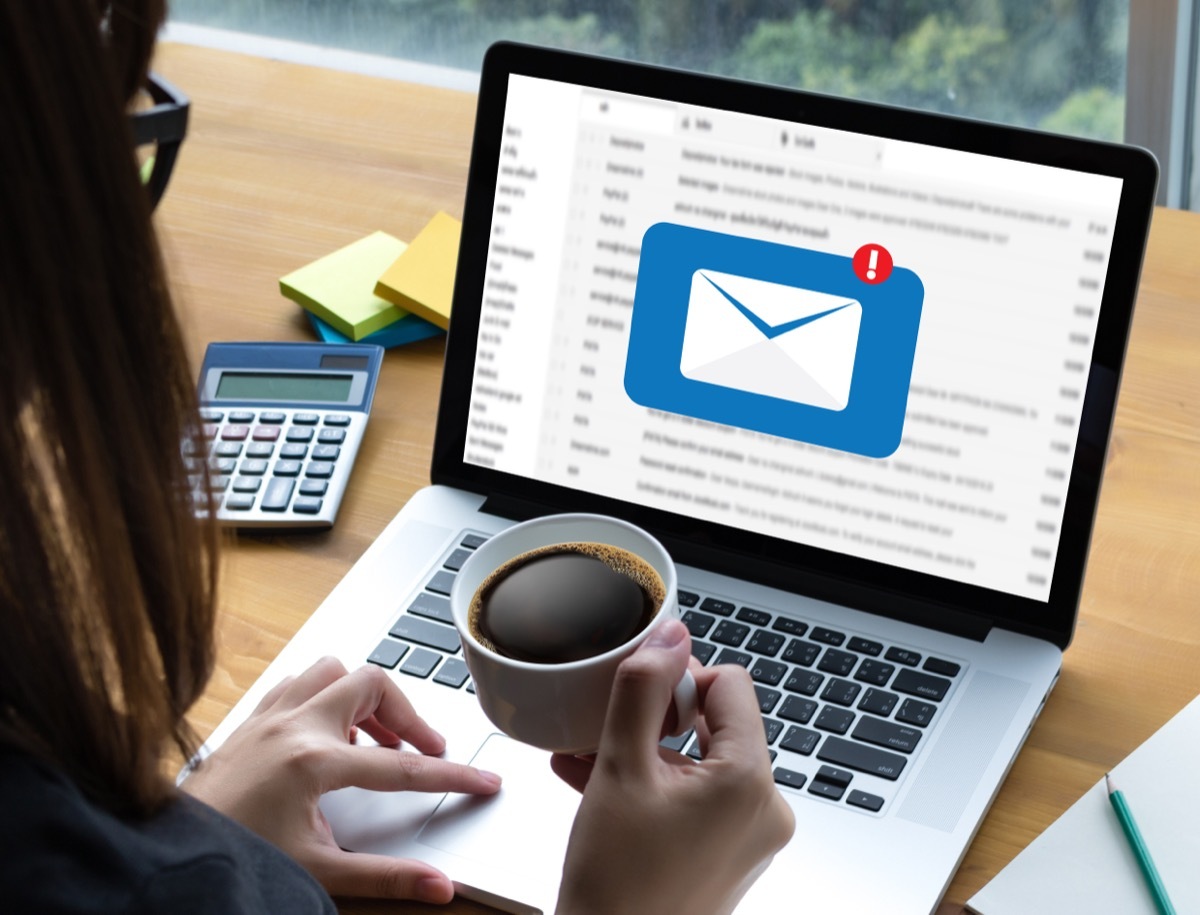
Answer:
(872, 264)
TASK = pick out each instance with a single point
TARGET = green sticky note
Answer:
(339, 288)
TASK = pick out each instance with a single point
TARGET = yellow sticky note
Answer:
(421, 279)
(339, 288)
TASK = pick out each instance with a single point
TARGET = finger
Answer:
(574, 770)
(272, 695)
(388, 769)
(641, 695)
(318, 677)
(731, 714)
(370, 692)
(378, 733)
(379, 876)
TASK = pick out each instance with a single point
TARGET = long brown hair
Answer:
(107, 578)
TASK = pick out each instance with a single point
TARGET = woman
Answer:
(107, 592)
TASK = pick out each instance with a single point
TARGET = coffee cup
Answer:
(553, 704)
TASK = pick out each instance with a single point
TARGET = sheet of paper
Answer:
(339, 288)
(422, 278)
(1083, 863)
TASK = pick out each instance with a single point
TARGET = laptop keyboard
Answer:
(843, 713)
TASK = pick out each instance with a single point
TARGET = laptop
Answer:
(855, 366)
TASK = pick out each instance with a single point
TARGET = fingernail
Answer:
(490, 777)
(434, 889)
(668, 635)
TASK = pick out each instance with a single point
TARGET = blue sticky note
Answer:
(408, 329)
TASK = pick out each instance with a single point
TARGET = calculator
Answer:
(282, 425)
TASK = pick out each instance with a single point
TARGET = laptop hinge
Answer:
(516, 509)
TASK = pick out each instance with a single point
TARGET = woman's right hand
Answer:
(657, 831)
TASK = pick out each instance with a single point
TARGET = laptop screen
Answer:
(856, 341)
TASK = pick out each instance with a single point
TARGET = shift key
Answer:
(861, 758)
(425, 632)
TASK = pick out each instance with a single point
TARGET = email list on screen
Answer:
(1011, 258)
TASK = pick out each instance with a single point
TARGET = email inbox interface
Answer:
(924, 417)
(794, 344)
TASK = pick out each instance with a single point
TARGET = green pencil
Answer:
(1140, 851)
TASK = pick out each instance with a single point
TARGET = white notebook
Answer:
(1083, 863)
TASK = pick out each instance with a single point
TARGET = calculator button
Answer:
(271, 417)
(259, 449)
(306, 506)
(239, 503)
(299, 435)
(219, 483)
(306, 419)
(241, 416)
(265, 433)
(313, 487)
(326, 452)
(228, 449)
(278, 494)
(210, 430)
(222, 465)
(253, 467)
(331, 436)
(288, 469)
(212, 416)
(246, 484)
(319, 470)
(293, 451)
(235, 433)
(337, 419)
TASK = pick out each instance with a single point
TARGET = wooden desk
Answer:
(285, 163)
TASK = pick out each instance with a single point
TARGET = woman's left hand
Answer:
(299, 744)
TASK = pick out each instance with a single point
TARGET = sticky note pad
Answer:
(408, 329)
(339, 288)
(421, 279)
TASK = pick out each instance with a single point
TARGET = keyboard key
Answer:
(864, 646)
(702, 651)
(804, 681)
(235, 433)
(730, 633)
(420, 663)
(697, 623)
(313, 487)
(265, 433)
(729, 656)
(789, 626)
(212, 416)
(337, 419)
(331, 436)
(227, 449)
(687, 598)
(836, 720)
(862, 758)
(239, 503)
(872, 802)
(837, 662)
(388, 653)
(222, 465)
(797, 709)
(441, 583)
(326, 452)
(768, 672)
(287, 469)
(916, 683)
(789, 778)
(306, 419)
(938, 666)
(754, 617)
(719, 607)
(886, 734)
(293, 451)
(771, 728)
(876, 672)
(278, 494)
(424, 632)
(246, 484)
(299, 435)
(455, 560)
(306, 505)
(764, 642)
(834, 776)
(827, 636)
(453, 673)
(253, 467)
(826, 790)
(241, 416)
(802, 653)
(767, 698)
(271, 416)
(432, 607)
(841, 692)
(473, 541)
(319, 470)
(800, 740)
(903, 656)
(260, 450)
(878, 702)
(913, 711)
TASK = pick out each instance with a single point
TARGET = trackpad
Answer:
(526, 824)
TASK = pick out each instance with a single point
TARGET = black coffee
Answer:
(565, 602)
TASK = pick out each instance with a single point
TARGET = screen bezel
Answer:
(864, 584)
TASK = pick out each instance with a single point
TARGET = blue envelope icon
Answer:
(770, 339)
(778, 339)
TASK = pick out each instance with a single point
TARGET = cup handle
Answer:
(686, 703)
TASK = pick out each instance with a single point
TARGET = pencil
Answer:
(1140, 851)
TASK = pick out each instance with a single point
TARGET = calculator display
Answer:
(285, 386)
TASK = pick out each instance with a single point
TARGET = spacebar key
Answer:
(861, 758)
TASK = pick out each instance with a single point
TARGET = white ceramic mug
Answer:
(559, 707)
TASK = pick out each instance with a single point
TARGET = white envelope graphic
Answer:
(767, 338)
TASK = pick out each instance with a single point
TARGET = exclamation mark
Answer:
(872, 263)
